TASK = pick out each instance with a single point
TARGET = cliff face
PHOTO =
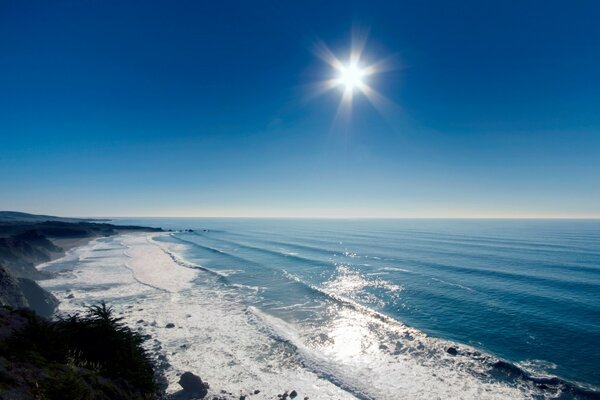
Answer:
(25, 293)
(10, 291)
(22, 252)
(19, 254)
(26, 241)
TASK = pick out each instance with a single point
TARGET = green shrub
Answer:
(97, 342)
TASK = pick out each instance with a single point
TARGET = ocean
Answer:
(370, 309)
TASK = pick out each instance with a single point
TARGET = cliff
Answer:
(27, 240)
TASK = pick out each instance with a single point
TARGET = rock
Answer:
(139, 321)
(293, 394)
(256, 391)
(305, 397)
(193, 384)
(170, 325)
(452, 351)
(242, 397)
(70, 296)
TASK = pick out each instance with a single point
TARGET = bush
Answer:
(74, 347)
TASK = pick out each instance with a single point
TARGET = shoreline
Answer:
(152, 309)
(142, 306)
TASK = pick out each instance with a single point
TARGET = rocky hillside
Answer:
(27, 240)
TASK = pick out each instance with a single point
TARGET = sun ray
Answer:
(352, 75)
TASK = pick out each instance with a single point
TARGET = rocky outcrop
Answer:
(25, 293)
(38, 299)
(11, 294)
(193, 384)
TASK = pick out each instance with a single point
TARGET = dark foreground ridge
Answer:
(94, 356)
(27, 240)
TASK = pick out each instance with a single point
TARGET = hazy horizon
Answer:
(313, 216)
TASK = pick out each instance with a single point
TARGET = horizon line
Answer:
(351, 217)
(320, 216)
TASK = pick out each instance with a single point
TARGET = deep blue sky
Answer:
(201, 108)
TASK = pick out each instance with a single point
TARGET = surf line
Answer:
(132, 271)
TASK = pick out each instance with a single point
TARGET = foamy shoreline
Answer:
(241, 349)
(150, 290)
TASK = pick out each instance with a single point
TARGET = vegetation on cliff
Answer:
(91, 356)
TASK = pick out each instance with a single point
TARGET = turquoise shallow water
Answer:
(527, 291)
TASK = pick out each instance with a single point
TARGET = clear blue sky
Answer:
(145, 108)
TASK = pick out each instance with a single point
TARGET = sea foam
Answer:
(354, 353)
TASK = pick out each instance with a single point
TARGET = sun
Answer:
(351, 76)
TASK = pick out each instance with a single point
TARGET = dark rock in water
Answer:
(256, 391)
(306, 398)
(71, 296)
(193, 384)
(452, 351)
(242, 397)
(139, 321)
(293, 394)
(170, 325)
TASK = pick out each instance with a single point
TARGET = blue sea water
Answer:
(525, 291)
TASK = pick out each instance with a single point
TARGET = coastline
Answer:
(210, 333)
(131, 266)
(28, 241)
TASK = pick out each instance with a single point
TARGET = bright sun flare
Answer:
(351, 76)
